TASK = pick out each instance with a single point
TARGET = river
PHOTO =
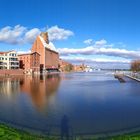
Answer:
(74, 103)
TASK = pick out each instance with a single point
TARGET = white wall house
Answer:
(9, 60)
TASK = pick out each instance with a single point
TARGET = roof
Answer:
(28, 53)
(51, 50)
(47, 46)
(6, 52)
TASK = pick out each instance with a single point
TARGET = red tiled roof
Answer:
(6, 52)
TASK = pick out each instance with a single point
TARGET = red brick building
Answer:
(49, 57)
(30, 62)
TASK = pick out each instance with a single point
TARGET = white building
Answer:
(9, 60)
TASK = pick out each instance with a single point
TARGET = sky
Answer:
(100, 33)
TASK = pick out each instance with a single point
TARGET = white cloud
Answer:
(23, 52)
(31, 35)
(56, 33)
(101, 42)
(88, 41)
(22, 35)
(12, 35)
(101, 60)
(117, 58)
(92, 50)
(106, 63)
(98, 43)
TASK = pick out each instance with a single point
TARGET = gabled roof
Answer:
(47, 46)
(6, 52)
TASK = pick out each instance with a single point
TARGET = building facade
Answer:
(49, 57)
(30, 62)
(9, 60)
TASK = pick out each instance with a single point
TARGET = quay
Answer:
(133, 78)
(119, 77)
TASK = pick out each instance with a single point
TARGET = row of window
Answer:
(13, 59)
(11, 54)
(1, 58)
(2, 63)
(10, 59)
(28, 57)
(11, 63)
(7, 68)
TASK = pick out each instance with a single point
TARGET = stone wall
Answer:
(11, 72)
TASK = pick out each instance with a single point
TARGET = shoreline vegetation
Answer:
(11, 133)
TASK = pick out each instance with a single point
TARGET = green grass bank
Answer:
(10, 133)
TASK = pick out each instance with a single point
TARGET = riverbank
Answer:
(131, 77)
(11, 133)
(135, 76)
(11, 72)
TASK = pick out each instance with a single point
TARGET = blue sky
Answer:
(96, 32)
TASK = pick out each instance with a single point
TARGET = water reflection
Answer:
(9, 85)
(92, 103)
(40, 88)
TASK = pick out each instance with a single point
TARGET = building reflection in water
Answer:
(40, 88)
(9, 86)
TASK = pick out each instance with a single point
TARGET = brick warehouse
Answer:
(30, 62)
(43, 56)
(49, 57)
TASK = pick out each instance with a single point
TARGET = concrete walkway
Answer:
(131, 77)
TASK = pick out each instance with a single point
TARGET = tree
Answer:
(135, 65)
(69, 67)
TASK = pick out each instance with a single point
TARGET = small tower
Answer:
(44, 35)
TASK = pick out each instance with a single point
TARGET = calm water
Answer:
(84, 103)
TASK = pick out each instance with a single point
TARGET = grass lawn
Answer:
(9, 133)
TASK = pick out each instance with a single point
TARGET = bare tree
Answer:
(135, 65)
